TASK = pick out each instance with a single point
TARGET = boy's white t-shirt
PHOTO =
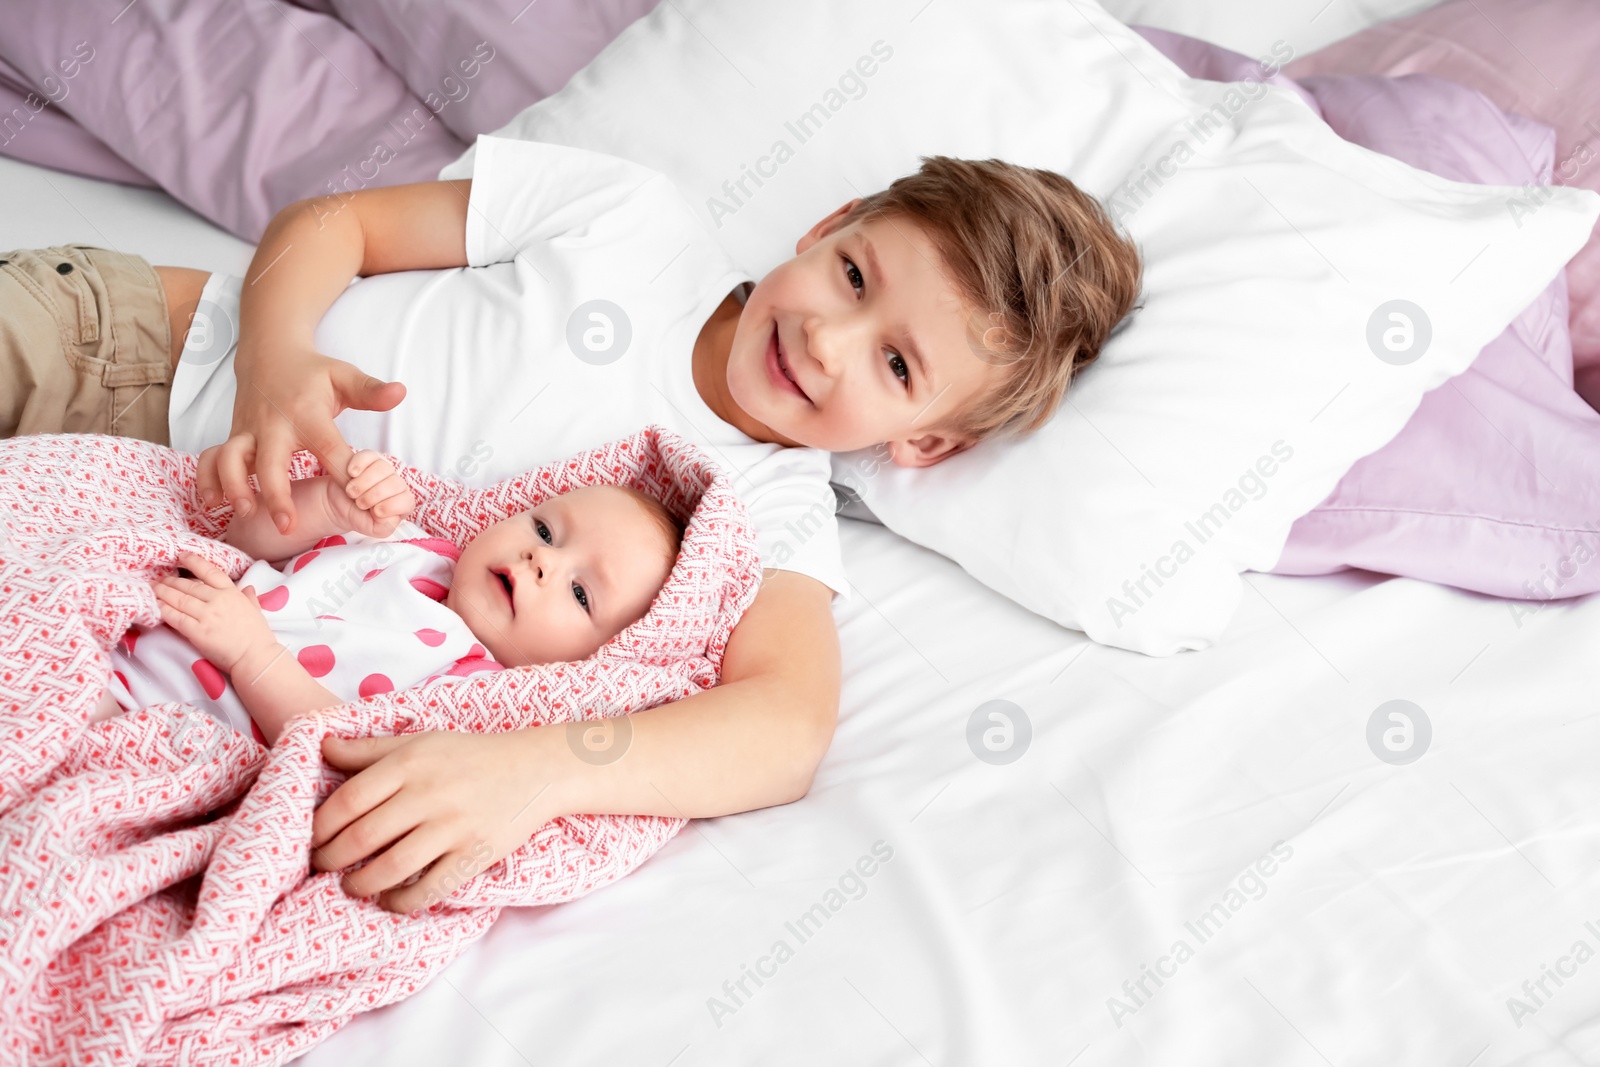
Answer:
(574, 324)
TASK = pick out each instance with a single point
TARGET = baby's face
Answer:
(554, 583)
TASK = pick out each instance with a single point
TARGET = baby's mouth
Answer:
(508, 587)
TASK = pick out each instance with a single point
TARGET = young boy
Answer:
(954, 305)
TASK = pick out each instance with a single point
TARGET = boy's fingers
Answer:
(329, 446)
(358, 389)
(232, 472)
(273, 453)
(429, 889)
(205, 477)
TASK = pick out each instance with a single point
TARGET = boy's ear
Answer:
(928, 449)
(823, 228)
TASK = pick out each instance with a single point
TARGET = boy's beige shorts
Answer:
(85, 344)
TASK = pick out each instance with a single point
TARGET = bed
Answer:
(1212, 858)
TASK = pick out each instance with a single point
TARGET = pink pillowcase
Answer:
(1494, 484)
(1531, 57)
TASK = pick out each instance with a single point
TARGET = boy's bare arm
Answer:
(288, 393)
(753, 741)
(326, 241)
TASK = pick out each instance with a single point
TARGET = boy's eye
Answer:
(583, 598)
(543, 531)
(851, 268)
(903, 371)
(895, 357)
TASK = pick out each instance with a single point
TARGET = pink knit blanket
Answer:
(157, 903)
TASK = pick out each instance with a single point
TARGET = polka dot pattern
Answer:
(209, 677)
(373, 684)
(273, 599)
(316, 659)
(429, 588)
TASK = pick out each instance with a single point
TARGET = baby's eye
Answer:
(543, 531)
(583, 598)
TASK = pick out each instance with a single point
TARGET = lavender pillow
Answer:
(1531, 57)
(325, 96)
(1492, 483)
(480, 64)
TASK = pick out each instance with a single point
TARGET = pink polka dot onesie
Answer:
(362, 615)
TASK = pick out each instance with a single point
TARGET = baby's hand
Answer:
(374, 500)
(225, 623)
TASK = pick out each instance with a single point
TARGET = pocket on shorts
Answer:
(76, 307)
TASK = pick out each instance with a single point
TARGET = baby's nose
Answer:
(538, 571)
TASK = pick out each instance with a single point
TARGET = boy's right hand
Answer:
(286, 399)
(374, 500)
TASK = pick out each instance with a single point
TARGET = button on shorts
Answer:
(85, 344)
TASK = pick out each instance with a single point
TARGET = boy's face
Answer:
(847, 313)
(554, 583)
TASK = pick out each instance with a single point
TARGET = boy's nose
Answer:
(824, 343)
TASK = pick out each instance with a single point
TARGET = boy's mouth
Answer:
(508, 587)
(778, 368)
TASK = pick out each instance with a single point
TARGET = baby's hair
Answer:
(1042, 263)
(671, 529)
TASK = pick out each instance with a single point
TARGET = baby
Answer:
(368, 603)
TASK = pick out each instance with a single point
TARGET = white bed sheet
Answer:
(40, 207)
(1020, 898)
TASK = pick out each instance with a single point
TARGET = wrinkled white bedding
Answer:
(1414, 899)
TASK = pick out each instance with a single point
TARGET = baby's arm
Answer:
(225, 623)
(256, 536)
(274, 688)
(372, 502)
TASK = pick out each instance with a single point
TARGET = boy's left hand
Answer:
(459, 802)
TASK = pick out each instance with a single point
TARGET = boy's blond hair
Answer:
(1041, 260)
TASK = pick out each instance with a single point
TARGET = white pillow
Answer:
(1254, 26)
(1246, 386)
